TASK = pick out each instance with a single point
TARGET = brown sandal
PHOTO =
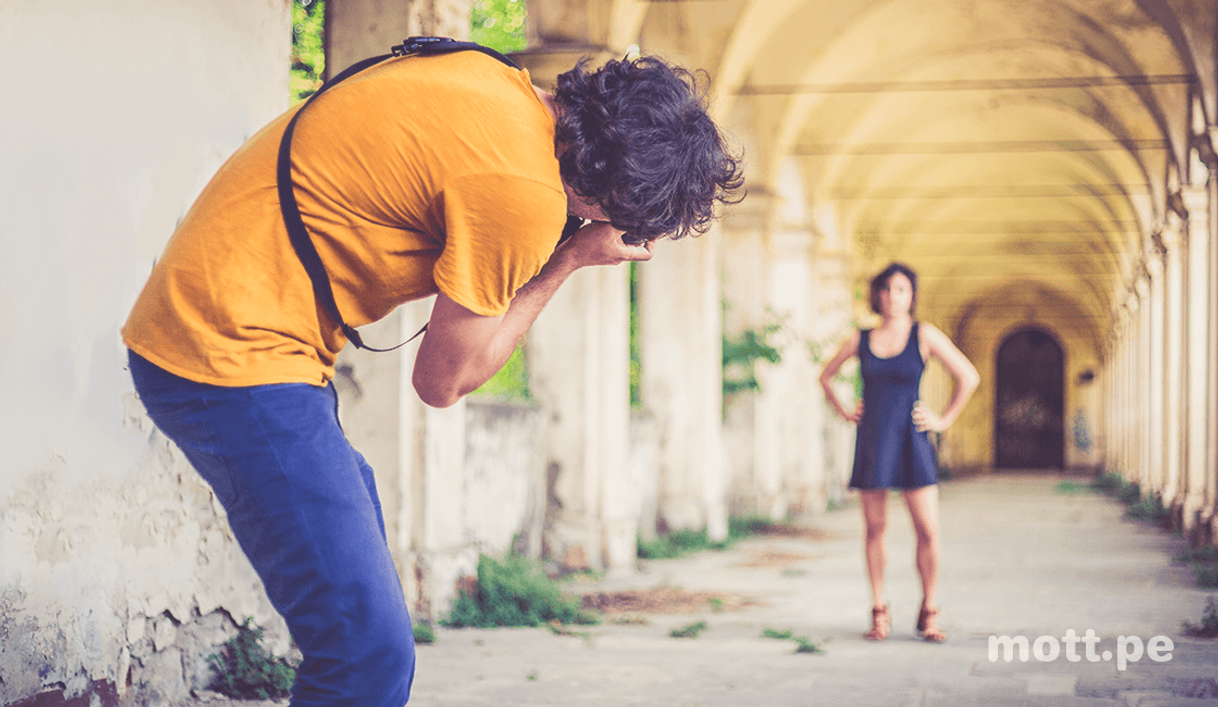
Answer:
(879, 624)
(930, 635)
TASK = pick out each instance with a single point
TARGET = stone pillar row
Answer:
(1161, 368)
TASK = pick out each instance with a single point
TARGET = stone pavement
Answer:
(1019, 559)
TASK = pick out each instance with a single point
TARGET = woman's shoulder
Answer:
(928, 329)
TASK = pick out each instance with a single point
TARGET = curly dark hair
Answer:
(637, 140)
(879, 282)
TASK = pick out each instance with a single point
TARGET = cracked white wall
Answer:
(115, 562)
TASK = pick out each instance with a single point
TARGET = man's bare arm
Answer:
(462, 350)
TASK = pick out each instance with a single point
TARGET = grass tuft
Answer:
(1208, 628)
(514, 592)
(244, 670)
(803, 644)
(424, 634)
(689, 630)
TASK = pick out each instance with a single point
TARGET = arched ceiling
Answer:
(989, 143)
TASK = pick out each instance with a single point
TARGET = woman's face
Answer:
(896, 299)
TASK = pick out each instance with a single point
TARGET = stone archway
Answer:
(1029, 402)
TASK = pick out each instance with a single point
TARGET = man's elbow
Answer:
(434, 394)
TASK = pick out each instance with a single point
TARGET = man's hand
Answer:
(461, 349)
(599, 243)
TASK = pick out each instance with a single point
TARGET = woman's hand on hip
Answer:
(927, 420)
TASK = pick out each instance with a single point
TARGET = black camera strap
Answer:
(297, 232)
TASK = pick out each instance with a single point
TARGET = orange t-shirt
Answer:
(417, 176)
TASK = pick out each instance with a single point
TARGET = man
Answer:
(445, 175)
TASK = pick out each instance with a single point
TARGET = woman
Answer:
(892, 449)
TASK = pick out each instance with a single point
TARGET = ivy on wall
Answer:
(741, 353)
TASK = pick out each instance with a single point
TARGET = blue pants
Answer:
(303, 505)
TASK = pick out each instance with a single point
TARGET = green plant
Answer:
(741, 353)
(805, 645)
(689, 630)
(1107, 483)
(1206, 575)
(1208, 628)
(1148, 508)
(308, 51)
(674, 544)
(514, 592)
(741, 527)
(683, 542)
(1115, 485)
(244, 670)
(1129, 494)
(716, 603)
(424, 634)
(1070, 487)
(510, 382)
(499, 24)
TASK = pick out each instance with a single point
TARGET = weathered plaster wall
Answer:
(115, 566)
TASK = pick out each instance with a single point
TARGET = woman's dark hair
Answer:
(879, 282)
(637, 140)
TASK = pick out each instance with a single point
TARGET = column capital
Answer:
(1155, 261)
(1133, 300)
(1194, 198)
(1141, 285)
(1203, 143)
(1170, 236)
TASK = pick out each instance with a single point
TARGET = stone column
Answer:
(1156, 400)
(750, 431)
(1199, 388)
(1145, 429)
(358, 29)
(579, 363)
(579, 371)
(418, 454)
(682, 380)
(1111, 375)
(792, 384)
(1173, 347)
(1108, 402)
(1211, 339)
(1129, 405)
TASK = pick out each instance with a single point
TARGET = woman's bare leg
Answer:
(923, 506)
(875, 518)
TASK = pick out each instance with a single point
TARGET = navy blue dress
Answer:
(889, 452)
